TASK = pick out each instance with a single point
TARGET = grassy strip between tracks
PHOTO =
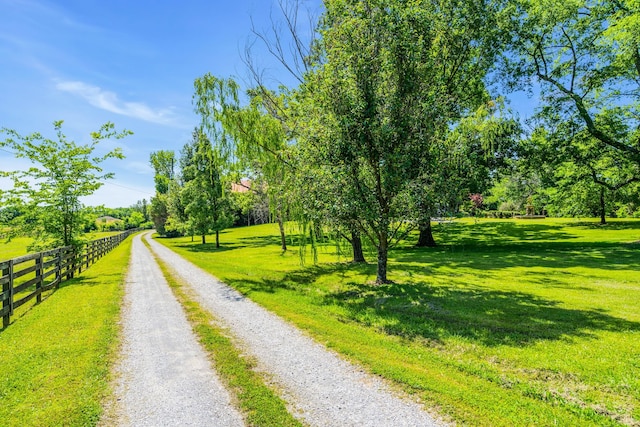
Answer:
(55, 358)
(260, 404)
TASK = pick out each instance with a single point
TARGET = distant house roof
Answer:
(242, 187)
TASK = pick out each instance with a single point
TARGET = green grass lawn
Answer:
(507, 322)
(55, 356)
(14, 248)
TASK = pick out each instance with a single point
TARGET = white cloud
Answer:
(109, 101)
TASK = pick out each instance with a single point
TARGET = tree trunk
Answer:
(603, 220)
(204, 239)
(356, 244)
(217, 239)
(381, 277)
(317, 229)
(283, 237)
(426, 236)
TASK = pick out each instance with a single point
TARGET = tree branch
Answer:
(610, 186)
(586, 117)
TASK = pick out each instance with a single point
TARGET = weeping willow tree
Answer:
(472, 155)
(249, 138)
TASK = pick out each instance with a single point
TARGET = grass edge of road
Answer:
(57, 357)
(259, 403)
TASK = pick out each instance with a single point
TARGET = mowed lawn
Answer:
(507, 322)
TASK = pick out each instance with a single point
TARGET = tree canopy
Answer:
(392, 77)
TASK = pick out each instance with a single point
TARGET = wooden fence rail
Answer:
(28, 276)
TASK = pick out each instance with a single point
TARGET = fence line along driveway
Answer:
(320, 388)
(28, 276)
(163, 376)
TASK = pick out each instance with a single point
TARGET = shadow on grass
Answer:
(262, 241)
(554, 255)
(420, 310)
(518, 233)
(498, 233)
(301, 280)
(434, 313)
(237, 243)
(207, 247)
(487, 317)
(26, 308)
(617, 225)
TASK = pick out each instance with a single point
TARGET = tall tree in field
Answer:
(142, 207)
(178, 220)
(163, 163)
(63, 172)
(582, 171)
(205, 192)
(291, 41)
(392, 77)
(474, 153)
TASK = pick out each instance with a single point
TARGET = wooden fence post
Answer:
(59, 268)
(39, 274)
(74, 256)
(7, 290)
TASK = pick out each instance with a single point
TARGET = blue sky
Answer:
(129, 62)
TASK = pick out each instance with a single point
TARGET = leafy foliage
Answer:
(392, 77)
(205, 194)
(63, 172)
(585, 55)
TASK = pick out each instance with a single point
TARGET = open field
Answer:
(14, 248)
(505, 323)
(56, 355)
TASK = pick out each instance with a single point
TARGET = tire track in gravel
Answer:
(320, 388)
(164, 377)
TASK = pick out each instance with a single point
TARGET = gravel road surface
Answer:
(321, 388)
(164, 377)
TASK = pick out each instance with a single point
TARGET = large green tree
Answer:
(205, 192)
(472, 156)
(584, 177)
(163, 163)
(585, 57)
(392, 76)
(50, 192)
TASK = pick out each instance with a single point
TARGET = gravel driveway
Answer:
(321, 388)
(164, 377)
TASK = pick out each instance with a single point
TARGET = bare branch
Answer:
(294, 57)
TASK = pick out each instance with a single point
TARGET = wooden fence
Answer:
(28, 276)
